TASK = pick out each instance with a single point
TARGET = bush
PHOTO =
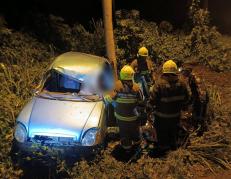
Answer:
(84, 41)
(133, 33)
(53, 30)
(202, 44)
(204, 40)
(23, 59)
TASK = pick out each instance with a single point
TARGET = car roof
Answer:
(76, 64)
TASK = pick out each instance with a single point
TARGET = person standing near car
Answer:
(199, 98)
(168, 96)
(144, 69)
(125, 98)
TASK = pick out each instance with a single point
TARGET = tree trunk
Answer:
(206, 4)
(108, 30)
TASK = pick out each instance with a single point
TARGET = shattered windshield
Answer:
(64, 87)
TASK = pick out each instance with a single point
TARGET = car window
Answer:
(57, 82)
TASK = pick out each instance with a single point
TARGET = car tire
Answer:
(14, 153)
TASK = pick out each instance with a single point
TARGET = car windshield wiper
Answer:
(80, 96)
(51, 96)
(85, 97)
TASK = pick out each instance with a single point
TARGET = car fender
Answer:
(97, 119)
(24, 115)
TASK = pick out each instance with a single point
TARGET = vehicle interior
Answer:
(57, 82)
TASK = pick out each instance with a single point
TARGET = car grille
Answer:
(53, 140)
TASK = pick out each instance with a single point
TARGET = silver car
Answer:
(67, 110)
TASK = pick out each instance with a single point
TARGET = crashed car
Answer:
(67, 110)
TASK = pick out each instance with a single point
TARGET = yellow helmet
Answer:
(143, 51)
(127, 73)
(170, 67)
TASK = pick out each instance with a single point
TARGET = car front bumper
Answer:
(48, 154)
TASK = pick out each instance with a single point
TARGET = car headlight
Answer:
(91, 137)
(20, 133)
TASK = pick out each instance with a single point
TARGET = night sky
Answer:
(18, 12)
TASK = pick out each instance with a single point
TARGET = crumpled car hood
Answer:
(59, 118)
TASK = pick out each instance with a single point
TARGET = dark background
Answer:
(20, 12)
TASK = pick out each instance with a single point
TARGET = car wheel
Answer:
(14, 152)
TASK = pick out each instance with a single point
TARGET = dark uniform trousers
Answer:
(199, 114)
(199, 105)
(129, 133)
(166, 131)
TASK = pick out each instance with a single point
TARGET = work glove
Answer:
(108, 99)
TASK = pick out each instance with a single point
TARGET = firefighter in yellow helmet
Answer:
(144, 69)
(126, 97)
(167, 97)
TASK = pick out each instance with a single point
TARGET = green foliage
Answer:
(15, 47)
(87, 42)
(203, 40)
(22, 62)
(63, 37)
(165, 27)
(133, 33)
(202, 44)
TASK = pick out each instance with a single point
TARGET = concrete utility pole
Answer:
(108, 30)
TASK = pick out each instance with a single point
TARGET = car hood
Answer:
(59, 118)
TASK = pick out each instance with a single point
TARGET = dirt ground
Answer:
(223, 82)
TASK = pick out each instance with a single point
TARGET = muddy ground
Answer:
(223, 83)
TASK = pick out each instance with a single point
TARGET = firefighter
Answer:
(125, 99)
(199, 97)
(168, 96)
(144, 69)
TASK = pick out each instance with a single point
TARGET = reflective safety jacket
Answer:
(126, 100)
(168, 96)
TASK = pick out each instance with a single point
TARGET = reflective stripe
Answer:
(126, 147)
(126, 100)
(122, 118)
(144, 72)
(160, 114)
(126, 95)
(172, 99)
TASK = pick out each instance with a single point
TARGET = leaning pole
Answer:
(108, 33)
